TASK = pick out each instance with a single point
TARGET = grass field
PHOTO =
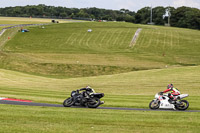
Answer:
(74, 38)
(178, 46)
(68, 50)
(134, 89)
(24, 20)
(45, 65)
(68, 120)
(1, 28)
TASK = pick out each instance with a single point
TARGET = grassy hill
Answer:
(176, 45)
(68, 50)
(74, 38)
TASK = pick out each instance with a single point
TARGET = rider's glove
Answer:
(160, 93)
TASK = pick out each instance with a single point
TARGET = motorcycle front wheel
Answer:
(153, 105)
(182, 105)
(68, 102)
(94, 103)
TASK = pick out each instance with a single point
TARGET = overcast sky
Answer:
(132, 5)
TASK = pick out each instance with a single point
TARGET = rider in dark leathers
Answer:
(87, 91)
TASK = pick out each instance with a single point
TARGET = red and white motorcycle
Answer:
(162, 101)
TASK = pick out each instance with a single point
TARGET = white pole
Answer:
(169, 15)
(151, 15)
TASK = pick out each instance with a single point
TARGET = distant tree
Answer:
(143, 15)
(63, 14)
(106, 17)
(129, 18)
(82, 14)
(120, 18)
(186, 17)
(158, 13)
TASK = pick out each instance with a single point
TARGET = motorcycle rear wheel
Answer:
(184, 104)
(153, 105)
(68, 102)
(94, 103)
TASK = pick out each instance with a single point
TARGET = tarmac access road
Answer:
(60, 105)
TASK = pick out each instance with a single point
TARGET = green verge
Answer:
(8, 34)
(73, 65)
(133, 89)
(20, 119)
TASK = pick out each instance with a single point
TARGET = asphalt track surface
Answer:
(60, 105)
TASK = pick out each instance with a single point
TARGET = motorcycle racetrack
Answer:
(59, 105)
(47, 63)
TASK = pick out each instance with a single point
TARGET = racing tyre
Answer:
(153, 105)
(183, 105)
(68, 102)
(94, 103)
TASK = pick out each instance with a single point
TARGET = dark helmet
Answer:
(170, 86)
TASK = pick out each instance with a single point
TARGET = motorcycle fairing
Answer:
(164, 104)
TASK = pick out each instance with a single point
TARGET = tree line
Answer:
(185, 17)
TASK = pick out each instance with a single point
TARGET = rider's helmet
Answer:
(170, 86)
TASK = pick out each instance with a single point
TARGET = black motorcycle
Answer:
(84, 97)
